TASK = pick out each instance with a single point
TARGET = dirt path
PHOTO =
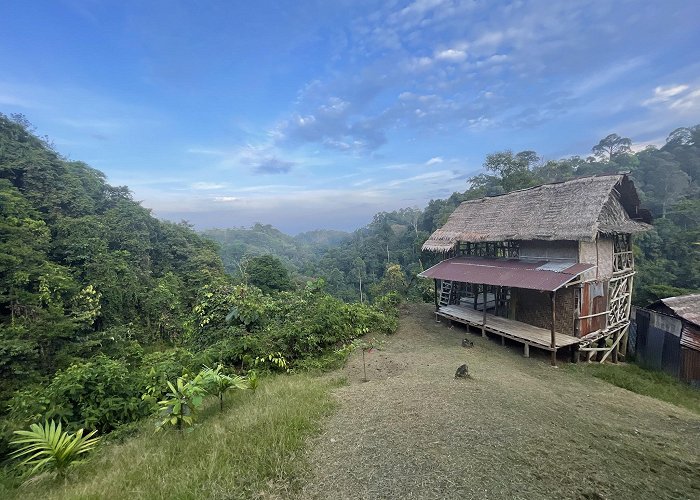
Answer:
(517, 429)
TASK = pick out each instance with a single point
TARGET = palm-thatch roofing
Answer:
(572, 210)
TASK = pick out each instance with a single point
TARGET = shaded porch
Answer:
(469, 288)
(524, 333)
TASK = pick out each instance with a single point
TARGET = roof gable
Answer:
(573, 210)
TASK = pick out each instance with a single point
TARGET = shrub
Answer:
(217, 383)
(180, 403)
(98, 394)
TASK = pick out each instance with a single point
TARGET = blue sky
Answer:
(318, 114)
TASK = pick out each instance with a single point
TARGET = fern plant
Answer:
(48, 447)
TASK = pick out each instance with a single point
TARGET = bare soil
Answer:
(517, 428)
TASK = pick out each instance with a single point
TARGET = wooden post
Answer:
(553, 295)
(483, 324)
(526, 350)
(436, 295)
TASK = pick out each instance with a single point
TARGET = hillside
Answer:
(516, 429)
(103, 306)
(296, 252)
(80, 259)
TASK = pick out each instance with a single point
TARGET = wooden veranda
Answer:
(526, 334)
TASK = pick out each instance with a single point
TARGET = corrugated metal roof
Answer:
(504, 272)
(685, 306)
(690, 337)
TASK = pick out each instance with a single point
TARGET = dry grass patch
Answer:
(517, 429)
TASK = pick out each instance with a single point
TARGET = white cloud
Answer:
(681, 98)
(665, 93)
(451, 55)
(225, 199)
(208, 185)
(434, 161)
(205, 151)
(687, 102)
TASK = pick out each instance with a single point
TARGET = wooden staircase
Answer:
(445, 293)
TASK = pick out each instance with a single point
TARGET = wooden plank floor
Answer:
(516, 330)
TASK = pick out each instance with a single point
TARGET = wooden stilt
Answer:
(526, 350)
(554, 317)
(436, 295)
(575, 354)
(483, 324)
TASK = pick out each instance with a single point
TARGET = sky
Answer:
(319, 114)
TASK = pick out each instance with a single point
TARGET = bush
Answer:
(98, 394)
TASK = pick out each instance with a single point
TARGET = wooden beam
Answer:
(553, 296)
(436, 295)
(483, 323)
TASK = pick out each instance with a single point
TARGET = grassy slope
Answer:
(649, 383)
(516, 429)
(252, 449)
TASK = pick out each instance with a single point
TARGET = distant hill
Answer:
(296, 252)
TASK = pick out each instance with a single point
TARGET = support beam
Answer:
(526, 350)
(436, 295)
(483, 323)
(553, 296)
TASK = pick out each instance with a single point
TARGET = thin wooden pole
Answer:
(436, 295)
(483, 324)
(554, 318)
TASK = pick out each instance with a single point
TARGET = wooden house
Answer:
(549, 266)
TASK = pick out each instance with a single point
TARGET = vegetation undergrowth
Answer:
(651, 383)
(252, 448)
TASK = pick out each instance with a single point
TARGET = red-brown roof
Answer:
(535, 275)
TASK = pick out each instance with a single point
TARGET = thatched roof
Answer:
(573, 210)
(686, 307)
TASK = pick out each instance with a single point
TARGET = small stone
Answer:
(462, 371)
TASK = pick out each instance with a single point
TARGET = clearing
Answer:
(517, 429)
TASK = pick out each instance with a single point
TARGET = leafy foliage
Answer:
(180, 403)
(98, 394)
(216, 382)
(48, 447)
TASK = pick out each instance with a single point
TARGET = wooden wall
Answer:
(534, 307)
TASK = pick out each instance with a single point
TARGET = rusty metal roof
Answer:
(684, 306)
(517, 273)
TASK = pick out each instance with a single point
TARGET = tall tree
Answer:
(611, 146)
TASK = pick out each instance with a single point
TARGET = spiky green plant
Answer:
(48, 447)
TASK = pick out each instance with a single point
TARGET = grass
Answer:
(656, 384)
(517, 428)
(253, 449)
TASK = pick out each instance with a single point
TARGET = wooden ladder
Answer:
(445, 293)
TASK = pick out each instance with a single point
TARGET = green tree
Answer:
(268, 273)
